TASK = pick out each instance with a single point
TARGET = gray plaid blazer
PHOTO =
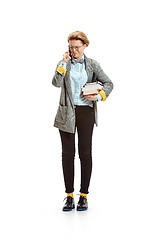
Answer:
(65, 117)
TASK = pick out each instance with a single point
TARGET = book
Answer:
(92, 88)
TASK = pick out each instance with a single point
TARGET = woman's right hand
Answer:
(66, 57)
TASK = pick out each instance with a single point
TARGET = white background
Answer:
(124, 192)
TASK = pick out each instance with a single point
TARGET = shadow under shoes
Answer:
(69, 204)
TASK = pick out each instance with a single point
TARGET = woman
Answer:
(79, 112)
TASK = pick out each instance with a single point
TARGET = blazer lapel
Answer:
(67, 82)
(89, 69)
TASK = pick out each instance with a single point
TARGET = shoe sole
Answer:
(68, 210)
(82, 209)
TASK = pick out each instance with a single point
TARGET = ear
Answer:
(85, 45)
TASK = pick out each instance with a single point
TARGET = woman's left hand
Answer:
(91, 97)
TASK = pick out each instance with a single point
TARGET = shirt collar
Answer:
(78, 59)
(74, 60)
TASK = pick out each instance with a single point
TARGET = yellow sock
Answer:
(84, 195)
(70, 195)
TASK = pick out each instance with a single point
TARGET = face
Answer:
(77, 48)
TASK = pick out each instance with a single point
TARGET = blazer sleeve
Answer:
(59, 75)
(101, 76)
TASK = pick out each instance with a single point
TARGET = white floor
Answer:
(116, 217)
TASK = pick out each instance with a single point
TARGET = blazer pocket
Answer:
(61, 114)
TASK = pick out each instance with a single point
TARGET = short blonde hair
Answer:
(77, 35)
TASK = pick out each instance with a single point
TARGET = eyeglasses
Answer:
(76, 47)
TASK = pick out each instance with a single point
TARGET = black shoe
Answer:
(82, 204)
(69, 205)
